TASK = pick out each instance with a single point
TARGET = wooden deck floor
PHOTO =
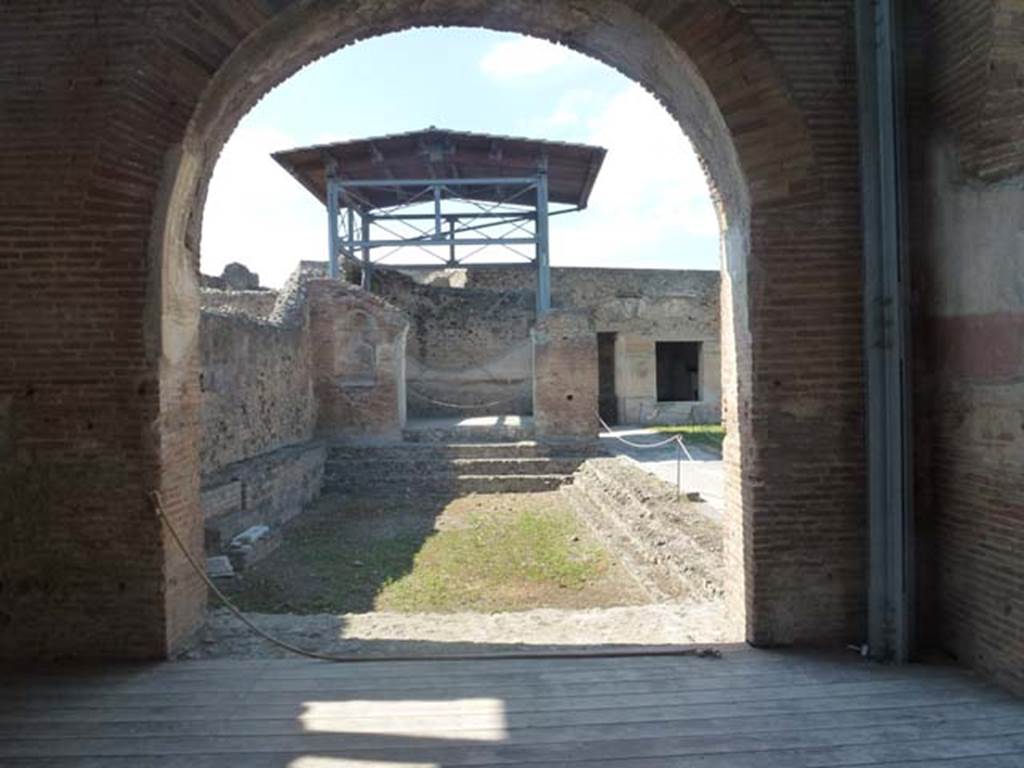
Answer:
(748, 708)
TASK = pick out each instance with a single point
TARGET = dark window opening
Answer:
(678, 370)
(607, 406)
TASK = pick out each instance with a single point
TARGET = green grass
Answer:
(478, 553)
(497, 561)
(703, 435)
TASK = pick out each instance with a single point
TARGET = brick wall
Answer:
(967, 107)
(112, 116)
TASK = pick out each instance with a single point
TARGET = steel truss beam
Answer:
(520, 202)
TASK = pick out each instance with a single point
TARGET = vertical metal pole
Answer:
(437, 211)
(332, 227)
(451, 238)
(364, 223)
(543, 265)
(890, 587)
(679, 468)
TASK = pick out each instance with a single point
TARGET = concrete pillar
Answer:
(565, 376)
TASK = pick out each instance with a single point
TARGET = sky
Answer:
(649, 208)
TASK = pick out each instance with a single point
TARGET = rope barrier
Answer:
(659, 444)
(461, 406)
(677, 439)
(158, 507)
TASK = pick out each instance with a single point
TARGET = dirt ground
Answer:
(475, 574)
(478, 553)
(420, 634)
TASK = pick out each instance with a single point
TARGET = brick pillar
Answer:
(565, 375)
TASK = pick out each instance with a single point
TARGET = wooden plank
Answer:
(399, 721)
(271, 708)
(904, 741)
(789, 711)
(540, 700)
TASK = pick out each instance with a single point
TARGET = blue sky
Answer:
(650, 206)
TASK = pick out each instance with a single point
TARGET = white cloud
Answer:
(256, 213)
(651, 198)
(523, 57)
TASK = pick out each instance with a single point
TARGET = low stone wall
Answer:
(256, 386)
(266, 490)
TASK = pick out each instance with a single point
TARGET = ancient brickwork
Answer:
(112, 116)
(253, 303)
(565, 375)
(358, 353)
(969, 332)
(466, 346)
(469, 342)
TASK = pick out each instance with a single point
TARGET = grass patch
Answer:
(488, 553)
(496, 560)
(703, 435)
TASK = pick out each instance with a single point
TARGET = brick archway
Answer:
(766, 98)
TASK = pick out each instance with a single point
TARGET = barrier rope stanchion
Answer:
(679, 468)
(681, 450)
(158, 507)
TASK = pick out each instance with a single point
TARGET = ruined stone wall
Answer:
(253, 303)
(469, 340)
(468, 347)
(967, 116)
(257, 387)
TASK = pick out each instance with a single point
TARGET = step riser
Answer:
(431, 467)
(450, 485)
(483, 435)
(418, 452)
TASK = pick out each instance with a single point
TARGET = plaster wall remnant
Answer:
(471, 343)
(358, 353)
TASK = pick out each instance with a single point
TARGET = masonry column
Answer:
(565, 375)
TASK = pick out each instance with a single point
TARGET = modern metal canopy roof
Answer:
(436, 153)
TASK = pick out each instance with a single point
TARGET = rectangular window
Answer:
(678, 365)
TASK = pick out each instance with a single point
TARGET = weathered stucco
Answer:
(469, 342)
(358, 353)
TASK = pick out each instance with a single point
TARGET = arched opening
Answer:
(637, 254)
(758, 156)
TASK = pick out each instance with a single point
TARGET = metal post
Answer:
(437, 211)
(364, 223)
(679, 468)
(543, 266)
(332, 226)
(890, 601)
(451, 236)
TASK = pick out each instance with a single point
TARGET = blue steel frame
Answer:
(520, 202)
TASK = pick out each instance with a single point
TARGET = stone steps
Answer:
(469, 432)
(521, 449)
(452, 468)
(655, 539)
(544, 465)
